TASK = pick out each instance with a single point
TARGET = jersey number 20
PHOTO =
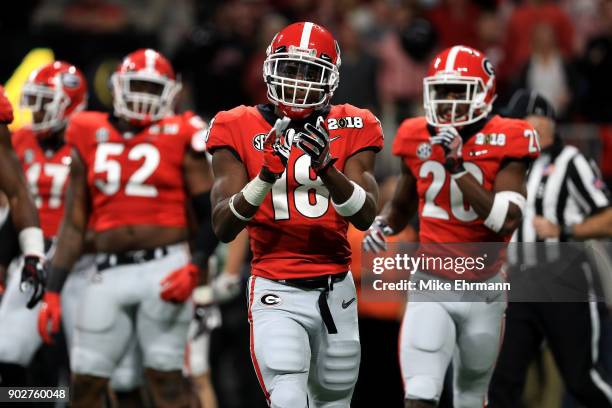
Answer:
(430, 208)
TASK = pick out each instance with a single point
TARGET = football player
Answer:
(132, 174)
(23, 215)
(295, 172)
(53, 93)
(466, 171)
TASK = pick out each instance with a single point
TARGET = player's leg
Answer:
(573, 331)
(335, 357)
(18, 325)
(128, 377)
(427, 341)
(103, 330)
(197, 358)
(521, 343)
(478, 343)
(162, 331)
(280, 347)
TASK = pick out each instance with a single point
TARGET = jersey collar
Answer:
(468, 131)
(267, 112)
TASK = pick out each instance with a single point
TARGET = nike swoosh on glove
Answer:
(179, 284)
(451, 142)
(375, 239)
(49, 316)
(315, 143)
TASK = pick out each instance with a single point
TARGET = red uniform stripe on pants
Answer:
(252, 343)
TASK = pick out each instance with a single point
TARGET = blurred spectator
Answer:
(520, 32)
(547, 72)
(400, 77)
(357, 72)
(490, 37)
(454, 20)
(214, 57)
(596, 67)
(583, 14)
(253, 81)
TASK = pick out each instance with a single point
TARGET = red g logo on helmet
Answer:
(144, 87)
(459, 88)
(301, 69)
(57, 90)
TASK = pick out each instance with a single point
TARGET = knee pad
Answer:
(284, 351)
(428, 327)
(97, 313)
(478, 358)
(124, 379)
(339, 367)
(18, 350)
(288, 393)
(423, 388)
(90, 362)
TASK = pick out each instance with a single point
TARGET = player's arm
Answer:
(396, 213)
(235, 199)
(199, 180)
(74, 225)
(502, 208)
(596, 226)
(356, 189)
(230, 178)
(178, 286)
(23, 210)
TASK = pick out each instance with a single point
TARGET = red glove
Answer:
(178, 286)
(6, 109)
(274, 161)
(50, 313)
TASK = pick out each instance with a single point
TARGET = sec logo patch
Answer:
(423, 151)
(258, 141)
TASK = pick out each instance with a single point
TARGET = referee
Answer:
(566, 200)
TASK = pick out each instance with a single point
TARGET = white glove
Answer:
(223, 288)
(374, 240)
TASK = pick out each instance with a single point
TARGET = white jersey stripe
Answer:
(305, 40)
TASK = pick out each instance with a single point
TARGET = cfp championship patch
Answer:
(270, 299)
(423, 151)
(258, 141)
(491, 139)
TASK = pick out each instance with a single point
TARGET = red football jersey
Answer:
(296, 232)
(135, 179)
(47, 175)
(443, 213)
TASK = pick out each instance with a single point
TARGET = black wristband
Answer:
(56, 278)
(266, 175)
(454, 166)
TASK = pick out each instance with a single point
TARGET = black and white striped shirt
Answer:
(565, 188)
